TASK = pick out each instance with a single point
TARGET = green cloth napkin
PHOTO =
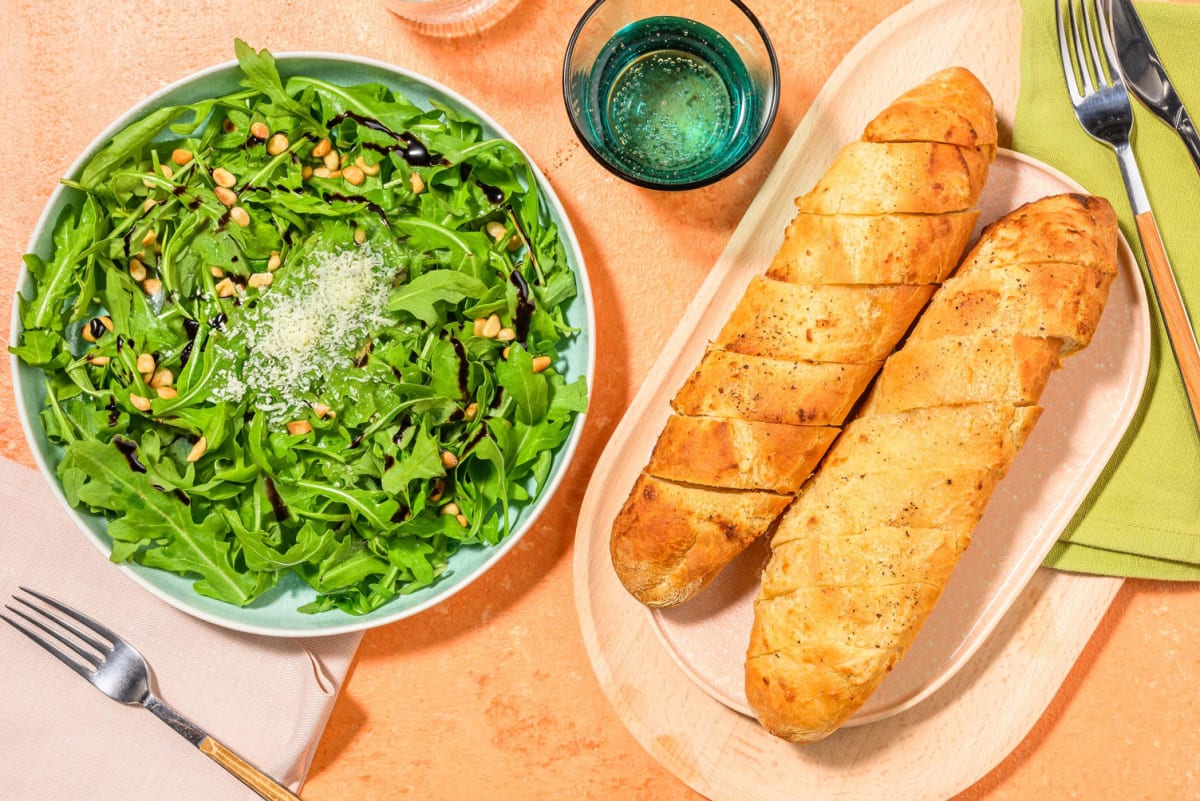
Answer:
(1143, 516)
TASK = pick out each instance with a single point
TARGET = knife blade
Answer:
(1144, 73)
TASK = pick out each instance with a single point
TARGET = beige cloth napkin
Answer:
(62, 740)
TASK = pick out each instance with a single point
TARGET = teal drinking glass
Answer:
(671, 94)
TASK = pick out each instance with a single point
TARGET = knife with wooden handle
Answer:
(1144, 74)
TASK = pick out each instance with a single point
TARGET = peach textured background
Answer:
(491, 695)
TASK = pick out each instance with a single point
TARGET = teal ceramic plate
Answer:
(275, 613)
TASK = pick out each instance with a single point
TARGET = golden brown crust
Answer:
(738, 454)
(878, 249)
(951, 106)
(958, 370)
(1062, 301)
(670, 540)
(822, 323)
(1079, 229)
(860, 559)
(899, 177)
(802, 693)
(773, 390)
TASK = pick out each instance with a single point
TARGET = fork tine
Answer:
(99, 628)
(1110, 51)
(66, 624)
(59, 655)
(1098, 55)
(1080, 48)
(1065, 52)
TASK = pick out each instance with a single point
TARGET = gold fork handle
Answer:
(1174, 313)
(249, 775)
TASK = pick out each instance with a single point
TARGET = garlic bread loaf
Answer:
(860, 559)
(886, 223)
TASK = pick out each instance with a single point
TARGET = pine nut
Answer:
(87, 334)
(506, 335)
(226, 288)
(167, 172)
(321, 172)
(540, 363)
(261, 280)
(146, 182)
(321, 148)
(449, 460)
(480, 322)
(99, 361)
(360, 235)
(181, 156)
(354, 175)
(149, 204)
(306, 172)
(439, 488)
(492, 327)
(331, 160)
(274, 262)
(227, 196)
(216, 271)
(142, 404)
(368, 169)
(299, 427)
(320, 410)
(162, 378)
(471, 410)
(417, 182)
(240, 216)
(197, 450)
(150, 238)
(450, 509)
(166, 393)
(504, 353)
(223, 177)
(462, 520)
(106, 321)
(152, 286)
(259, 130)
(335, 174)
(145, 363)
(496, 230)
(277, 144)
(137, 270)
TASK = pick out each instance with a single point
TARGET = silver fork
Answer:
(1103, 109)
(115, 668)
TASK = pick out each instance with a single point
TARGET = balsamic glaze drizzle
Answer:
(281, 511)
(128, 449)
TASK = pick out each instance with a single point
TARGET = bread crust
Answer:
(821, 323)
(889, 220)
(876, 249)
(668, 535)
(738, 454)
(860, 559)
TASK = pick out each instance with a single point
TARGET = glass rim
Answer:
(770, 111)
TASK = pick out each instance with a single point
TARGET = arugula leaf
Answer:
(420, 296)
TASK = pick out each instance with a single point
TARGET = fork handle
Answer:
(249, 775)
(1174, 313)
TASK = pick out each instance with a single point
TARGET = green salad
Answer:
(303, 328)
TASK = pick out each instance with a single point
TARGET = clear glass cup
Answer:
(450, 17)
(671, 94)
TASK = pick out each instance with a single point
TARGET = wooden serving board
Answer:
(949, 740)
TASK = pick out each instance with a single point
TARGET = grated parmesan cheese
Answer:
(302, 331)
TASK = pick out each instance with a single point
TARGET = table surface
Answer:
(491, 693)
